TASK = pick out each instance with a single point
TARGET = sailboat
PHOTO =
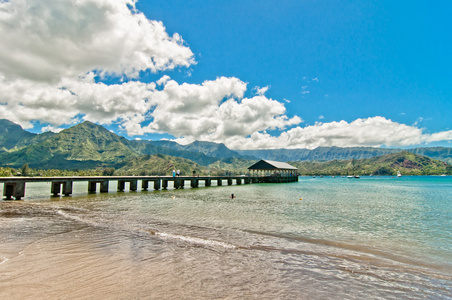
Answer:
(398, 174)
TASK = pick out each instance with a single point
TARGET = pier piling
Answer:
(14, 187)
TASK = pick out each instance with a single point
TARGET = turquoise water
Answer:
(373, 237)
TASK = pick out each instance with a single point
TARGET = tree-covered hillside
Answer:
(405, 162)
(85, 145)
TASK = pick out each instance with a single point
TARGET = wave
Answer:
(164, 235)
(194, 240)
(77, 218)
(354, 253)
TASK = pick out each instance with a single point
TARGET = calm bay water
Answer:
(320, 238)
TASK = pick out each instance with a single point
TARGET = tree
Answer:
(25, 170)
(5, 172)
(108, 171)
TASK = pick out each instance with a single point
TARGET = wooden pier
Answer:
(14, 187)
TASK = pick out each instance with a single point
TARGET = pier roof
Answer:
(271, 165)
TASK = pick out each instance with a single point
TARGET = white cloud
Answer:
(163, 80)
(52, 51)
(419, 120)
(51, 128)
(213, 111)
(61, 47)
(54, 54)
(372, 132)
(48, 40)
(261, 90)
(64, 103)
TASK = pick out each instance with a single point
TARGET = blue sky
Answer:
(293, 74)
(385, 58)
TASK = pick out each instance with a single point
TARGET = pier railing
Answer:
(15, 186)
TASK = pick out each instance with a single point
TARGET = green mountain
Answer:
(150, 148)
(405, 162)
(231, 165)
(88, 145)
(157, 165)
(164, 165)
(337, 153)
(12, 134)
(441, 153)
(209, 149)
(14, 137)
(320, 153)
(85, 145)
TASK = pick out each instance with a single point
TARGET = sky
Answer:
(250, 74)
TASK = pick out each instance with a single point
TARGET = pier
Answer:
(14, 187)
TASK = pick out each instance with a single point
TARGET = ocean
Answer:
(319, 238)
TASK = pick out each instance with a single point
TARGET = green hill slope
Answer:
(337, 153)
(405, 162)
(157, 165)
(12, 134)
(85, 145)
(150, 148)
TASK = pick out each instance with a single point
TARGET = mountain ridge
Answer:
(405, 162)
(88, 145)
(344, 153)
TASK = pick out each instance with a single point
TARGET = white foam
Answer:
(3, 260)
(195, 240)
(76, 218)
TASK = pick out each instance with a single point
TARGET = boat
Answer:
(356, 176)
(398, 174)
(350, 176)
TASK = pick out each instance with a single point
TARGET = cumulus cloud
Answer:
(72, 100)
(52, 52)
(56, 54)
(213, 111)
(371, 132)
(51, 128)
(48, 40)
(62, 50)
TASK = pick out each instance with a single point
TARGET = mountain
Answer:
(441, 153)
(88, 145)
(320, 153)
(157, 165)
(85, 145)
(406, 162)
(150, 148)
(210, 149)
(204, 153)
(336, 153)
(12, 134)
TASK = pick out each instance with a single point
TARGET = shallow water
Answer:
(334, 238)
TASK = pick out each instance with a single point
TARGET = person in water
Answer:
(232, 196)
